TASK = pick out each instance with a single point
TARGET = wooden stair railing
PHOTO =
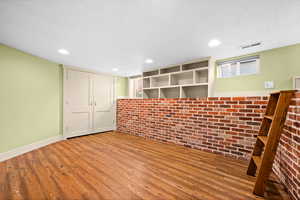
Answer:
(268, 139)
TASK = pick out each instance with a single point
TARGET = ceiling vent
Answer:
(251, 45)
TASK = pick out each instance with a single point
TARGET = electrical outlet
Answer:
(269, 84)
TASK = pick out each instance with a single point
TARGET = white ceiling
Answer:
(106, 34)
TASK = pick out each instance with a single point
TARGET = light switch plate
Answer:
(269, 84)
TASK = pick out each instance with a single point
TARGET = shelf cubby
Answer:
(201, 76)
(151, 93)
(146, 83)
(195, 65)
(160, 81)
(170, 69)
(182, 78)
(151, 73)
(173, 92)
(195, 91)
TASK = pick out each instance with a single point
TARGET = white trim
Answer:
(211, 77)
(65, 78)
(27, 148)
(89, 71)
(115, 98)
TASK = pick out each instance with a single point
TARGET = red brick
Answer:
(245, 102)
(232, 110)
(239, 98)
(225, 98)
(231, 102)
(213, 98)
(209, 124)
(261, 102)
(239, 106)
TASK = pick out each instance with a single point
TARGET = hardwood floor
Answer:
(122, 167)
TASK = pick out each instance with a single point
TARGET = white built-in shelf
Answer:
(160, 81)
(151, 73)
(182, 78)
(146, 83)
(170, 69)
(201, 76)
(151, 93)
(195, 65)
(194, 91)
(188, 80)
(173, 92)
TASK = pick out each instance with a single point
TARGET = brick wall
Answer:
(287, 161)
(222, 125)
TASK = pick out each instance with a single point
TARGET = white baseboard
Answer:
(27, 148)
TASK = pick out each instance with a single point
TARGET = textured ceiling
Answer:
(106, 34)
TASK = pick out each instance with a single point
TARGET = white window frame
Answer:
(238, 63)
(294, 83)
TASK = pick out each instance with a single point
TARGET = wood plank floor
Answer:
(123, 167)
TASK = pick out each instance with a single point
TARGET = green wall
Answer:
(31, 91)
(122, 87)
(278, 65)
(30, 99)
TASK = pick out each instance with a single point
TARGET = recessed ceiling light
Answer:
(63, 51)
(115, 69)
(214, 43)
(148, 61)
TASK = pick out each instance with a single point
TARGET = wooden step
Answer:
(263, 139)
(270, 117)
(275, 93)
(257, 161)
(284, 91)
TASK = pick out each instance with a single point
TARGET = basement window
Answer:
(240, 67)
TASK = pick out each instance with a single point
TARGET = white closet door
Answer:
(104, 107)
(78, 103)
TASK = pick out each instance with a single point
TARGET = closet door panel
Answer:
(79, 123)
(78, 103)
(104, 108)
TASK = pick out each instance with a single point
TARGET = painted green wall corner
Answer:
(30, 99)
(122, 87)
(279, 65)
